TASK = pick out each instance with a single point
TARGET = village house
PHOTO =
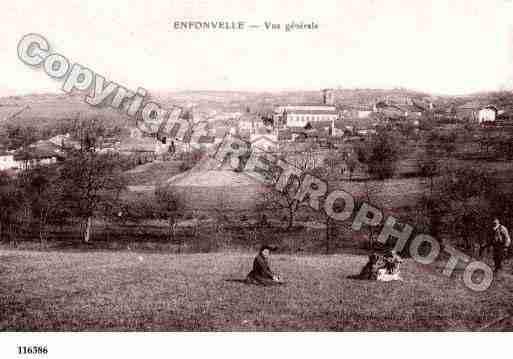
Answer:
(222, 131)
(363, 111)
(267, 142)
(226, 116)
(476, 112)
(504, 118)
(468, 111)
(144, 149)
(65, 142)
(308, 132)
(487, 114)
(308, 159)
(284, 135)
(250, 123)
(40, 153)
(360, 126)
(399, 111)
(7, 161)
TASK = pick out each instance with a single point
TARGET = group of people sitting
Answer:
(382, 268)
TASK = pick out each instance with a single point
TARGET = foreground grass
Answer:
(140, 291)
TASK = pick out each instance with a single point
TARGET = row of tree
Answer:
(84, 185)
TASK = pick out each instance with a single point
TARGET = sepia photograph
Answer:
(257, 166)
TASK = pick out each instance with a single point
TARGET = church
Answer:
(301, 115)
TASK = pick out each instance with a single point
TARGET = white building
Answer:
(364, 113)
(301, 115)
(487, 114)
(8, 162)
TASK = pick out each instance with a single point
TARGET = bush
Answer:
(380, 153)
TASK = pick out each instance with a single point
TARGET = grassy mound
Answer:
(216, 189)
(153, 173)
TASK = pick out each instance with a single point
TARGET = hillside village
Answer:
(331, 121)
(396, 148)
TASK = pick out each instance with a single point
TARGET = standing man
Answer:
(501, 243)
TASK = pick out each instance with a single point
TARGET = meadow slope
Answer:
(119, 290)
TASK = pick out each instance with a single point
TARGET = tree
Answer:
(407, 129)
(41, 195)
(331, 226)
(10, 200)
(467, 199)
(504, 145)
(169, 205)
(486, 141)
(448, 143)
(284, 199)
(352, 164)
(429, 166)
(20, 136)
(429, 212)
(341, 159)
(274, 200)
(380, 153)
(371, 192)
(89, 132)
(90, 183)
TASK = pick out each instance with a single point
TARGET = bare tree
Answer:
(371, 193)
(274, 200)
(170, 207)
(429, 166)
(284, 200)
(331, 226)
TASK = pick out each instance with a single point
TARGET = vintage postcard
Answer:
(256, 166)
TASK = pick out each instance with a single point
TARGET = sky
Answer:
(441, 47)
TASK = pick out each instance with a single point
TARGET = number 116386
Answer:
(32, 350)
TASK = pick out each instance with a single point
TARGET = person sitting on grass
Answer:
(390, 270)
(392, 262)
(262, 273)
(370, 270)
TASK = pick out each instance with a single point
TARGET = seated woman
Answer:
(370, 270)
(390, 270)
(262, 273)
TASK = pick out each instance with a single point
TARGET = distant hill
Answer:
(501, 99)
(51, 110)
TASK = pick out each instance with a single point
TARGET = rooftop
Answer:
(312, 112)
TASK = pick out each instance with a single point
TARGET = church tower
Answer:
(328, 97)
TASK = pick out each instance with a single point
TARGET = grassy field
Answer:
(123, 290)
